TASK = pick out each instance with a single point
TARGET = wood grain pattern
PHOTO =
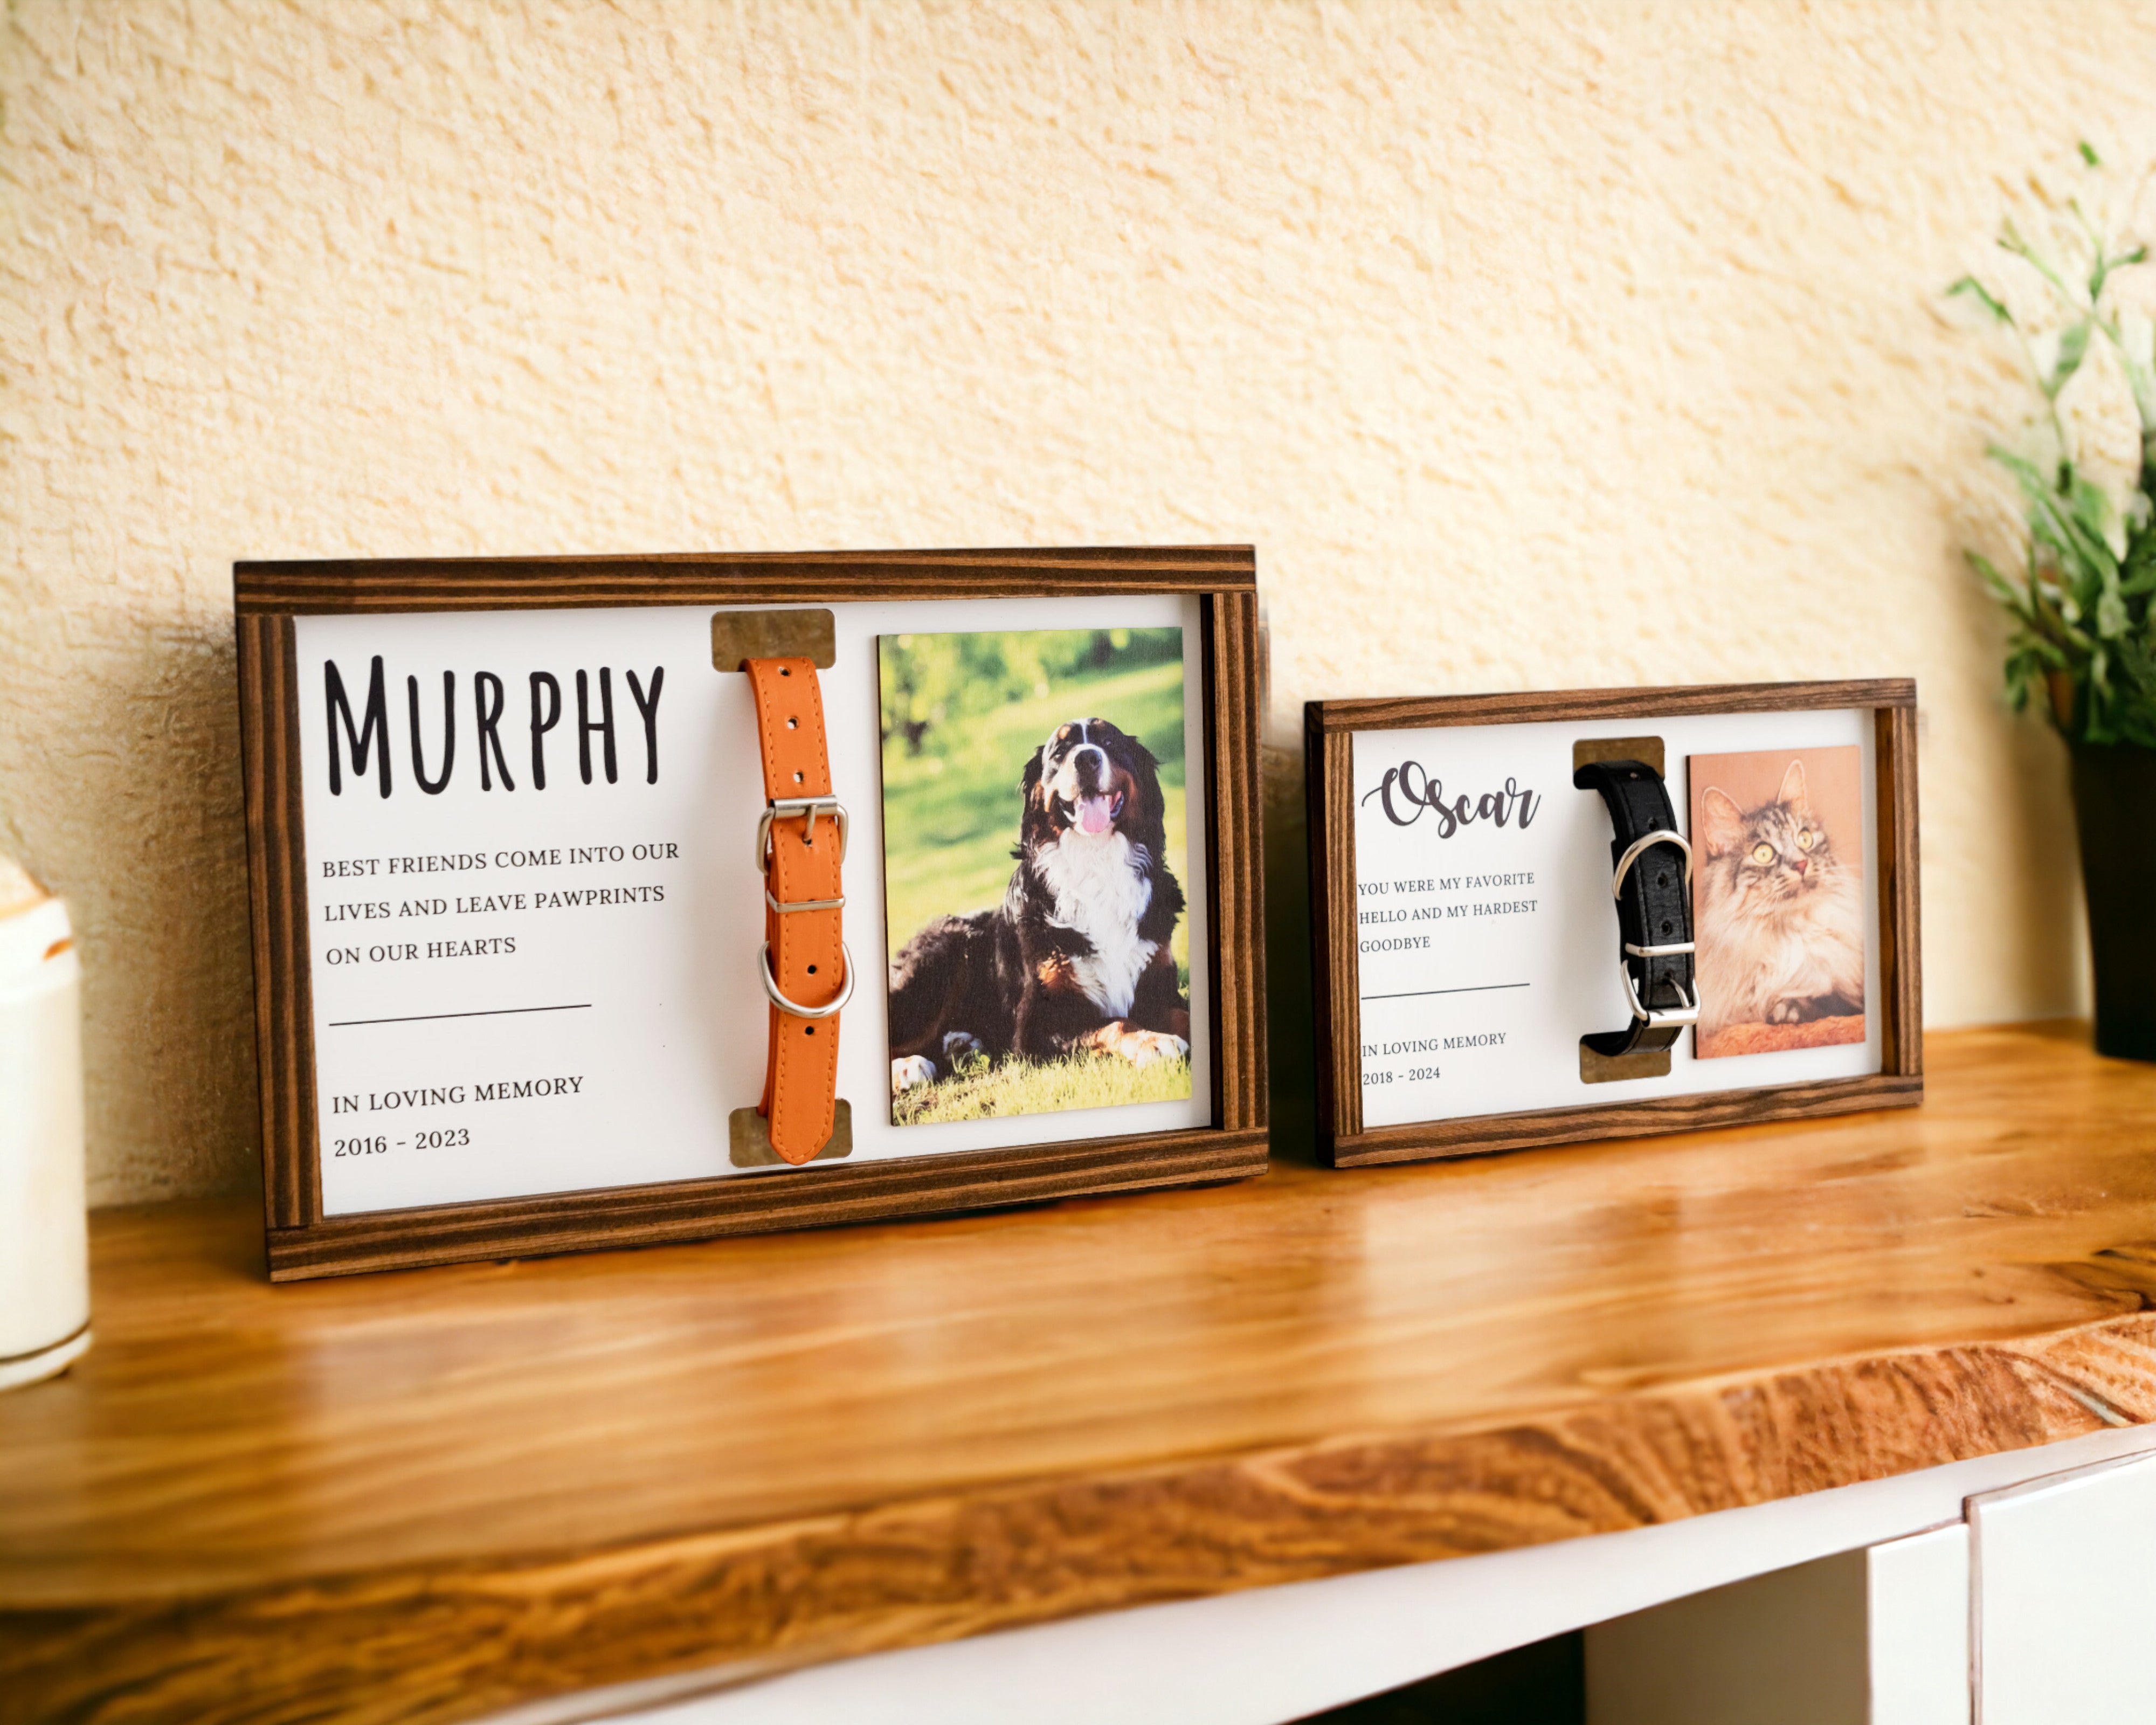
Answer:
(1235, 860)
(1330, 726)
(1477, 1134)
(276, 848)
(424, 1496)
(710, 1209)
(1329, 793)
(302, 1244)
(1901, 1051)
(1412, 712)
(700, 578)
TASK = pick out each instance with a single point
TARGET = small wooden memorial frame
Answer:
(1459, 951)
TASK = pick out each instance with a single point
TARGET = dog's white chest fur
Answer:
(1101, 894)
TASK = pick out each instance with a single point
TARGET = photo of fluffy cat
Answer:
(1778, 889)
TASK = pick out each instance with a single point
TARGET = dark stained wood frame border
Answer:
(1329, 725)
(302, 1243)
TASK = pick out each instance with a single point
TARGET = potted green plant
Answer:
(2081, 646)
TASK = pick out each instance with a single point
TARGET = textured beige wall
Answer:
(1532, 345)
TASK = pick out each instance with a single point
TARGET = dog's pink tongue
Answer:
(1093, 816)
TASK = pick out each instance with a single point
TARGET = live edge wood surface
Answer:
(428, 1494)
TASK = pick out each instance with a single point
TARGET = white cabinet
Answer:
(1877, 1637)
(2064, 1568)
(1781, 1648)
(1916, 1622)
(2034, 1610)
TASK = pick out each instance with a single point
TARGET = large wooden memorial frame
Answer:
(302, 1242)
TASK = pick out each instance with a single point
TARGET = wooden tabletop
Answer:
(426, 1495)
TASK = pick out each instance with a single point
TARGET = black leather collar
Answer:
(1652, 886)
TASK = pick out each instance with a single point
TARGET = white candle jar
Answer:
(44, 1237)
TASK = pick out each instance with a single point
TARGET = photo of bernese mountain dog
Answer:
(1076, 958)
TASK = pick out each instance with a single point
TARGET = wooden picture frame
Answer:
(1329, 729)
(303, 1242)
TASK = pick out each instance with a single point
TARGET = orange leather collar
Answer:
(799, 848)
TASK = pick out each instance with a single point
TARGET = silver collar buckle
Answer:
(781, 808)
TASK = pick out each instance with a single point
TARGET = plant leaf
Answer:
(2105, 265)
(1976, 291)
(2002, 589)
(2010, 240)
(2073, 348)
(2081, 637)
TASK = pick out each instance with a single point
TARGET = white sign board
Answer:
(533, 955)
(1487, 946)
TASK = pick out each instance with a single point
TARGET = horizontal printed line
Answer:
(1419, 994)
(421, 1018)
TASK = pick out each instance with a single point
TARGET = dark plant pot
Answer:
(2115, 809)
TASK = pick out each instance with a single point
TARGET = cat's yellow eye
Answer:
(1762, 852)
(1804, 839)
